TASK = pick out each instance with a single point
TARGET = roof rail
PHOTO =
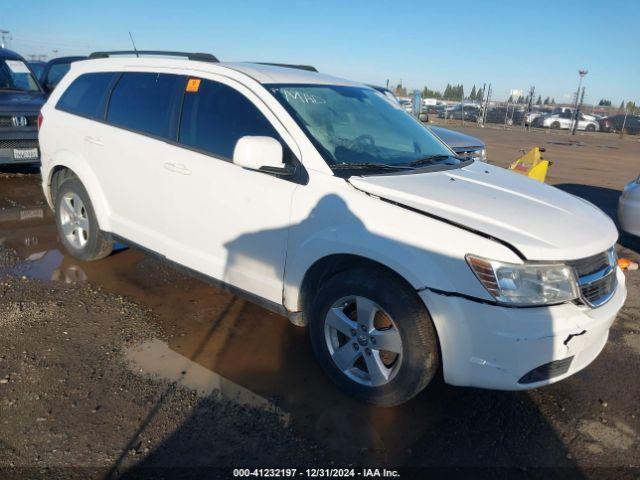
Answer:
(309, 68)
(201, 57)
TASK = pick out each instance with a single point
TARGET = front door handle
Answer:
(93, 140)
(177, 168)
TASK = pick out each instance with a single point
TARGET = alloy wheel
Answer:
(363, 341)
(74, 220)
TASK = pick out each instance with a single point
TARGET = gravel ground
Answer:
(68, 398)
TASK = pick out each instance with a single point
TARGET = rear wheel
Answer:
(77, 223)
(373, 336)
(590, 128)
(555, 125)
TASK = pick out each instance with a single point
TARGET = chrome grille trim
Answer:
(5, 120)
(596, 277)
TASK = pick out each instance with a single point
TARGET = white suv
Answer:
(324, 201)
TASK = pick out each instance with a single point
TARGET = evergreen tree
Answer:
(539, 101)
(472, 95)
(547, 101)
(510, 99)
(480, 94)
(621, 107)
(553, 101)
(447, 92)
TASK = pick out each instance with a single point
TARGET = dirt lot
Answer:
(111, 367)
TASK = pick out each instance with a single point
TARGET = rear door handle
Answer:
(177, 168)
(93, 140)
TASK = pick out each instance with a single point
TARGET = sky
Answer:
(511, 44)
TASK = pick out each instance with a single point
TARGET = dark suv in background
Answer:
(21, 97)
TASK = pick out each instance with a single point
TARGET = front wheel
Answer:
(373, 336)
(555, 125)
(590, 128)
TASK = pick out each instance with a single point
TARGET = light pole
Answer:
(4, 36)
(574, 124)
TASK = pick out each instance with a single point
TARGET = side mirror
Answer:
(261, 153)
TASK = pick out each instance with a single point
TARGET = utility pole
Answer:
(462, 105)
(484, 92)
(574, 123)
(5, 35)
(624, 122)
(486, 105)
(532, 92)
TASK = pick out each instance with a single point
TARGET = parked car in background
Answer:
(615, 123)
(505, 115)
(465, 146)
(406, 104)
(37, 66)
(20, 100)
(629, 208)
(468, 112)
(54, 70)
(606, 124)
(564, 121)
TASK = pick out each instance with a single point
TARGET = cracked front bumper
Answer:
(489, 346)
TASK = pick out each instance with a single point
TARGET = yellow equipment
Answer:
(532, 164)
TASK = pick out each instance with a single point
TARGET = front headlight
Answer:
(483, 155)
(525, 284)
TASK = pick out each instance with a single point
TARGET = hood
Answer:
(542, 222)
(12, 101)
(456, 139)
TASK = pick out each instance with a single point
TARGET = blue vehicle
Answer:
(21, 98)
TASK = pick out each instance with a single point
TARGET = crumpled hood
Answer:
(542, 222)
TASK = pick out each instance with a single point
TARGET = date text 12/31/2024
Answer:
(315, 473)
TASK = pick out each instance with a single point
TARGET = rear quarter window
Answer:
(87, 95)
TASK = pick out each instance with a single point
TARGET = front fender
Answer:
(415, 266)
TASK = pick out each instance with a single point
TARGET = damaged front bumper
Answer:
(504, 348)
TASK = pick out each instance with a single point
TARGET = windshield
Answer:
(15, 75)
(356, 126)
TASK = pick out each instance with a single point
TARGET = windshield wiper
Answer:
(431, 159)
(368, 166)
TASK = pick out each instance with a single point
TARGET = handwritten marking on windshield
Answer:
(303, 97)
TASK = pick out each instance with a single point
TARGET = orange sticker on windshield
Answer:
(193, 85)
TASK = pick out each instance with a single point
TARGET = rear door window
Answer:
(87, 95)
(147, 103)
(215, 117)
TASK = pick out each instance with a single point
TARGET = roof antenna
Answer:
(134, 45)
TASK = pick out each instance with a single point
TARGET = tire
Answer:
(590, 128)
(400, 322)
(77, 223)
(555, 125)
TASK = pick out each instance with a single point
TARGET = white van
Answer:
(322, 200)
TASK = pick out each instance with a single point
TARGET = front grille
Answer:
(19, 143)
(596, 277)
(5, 121)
